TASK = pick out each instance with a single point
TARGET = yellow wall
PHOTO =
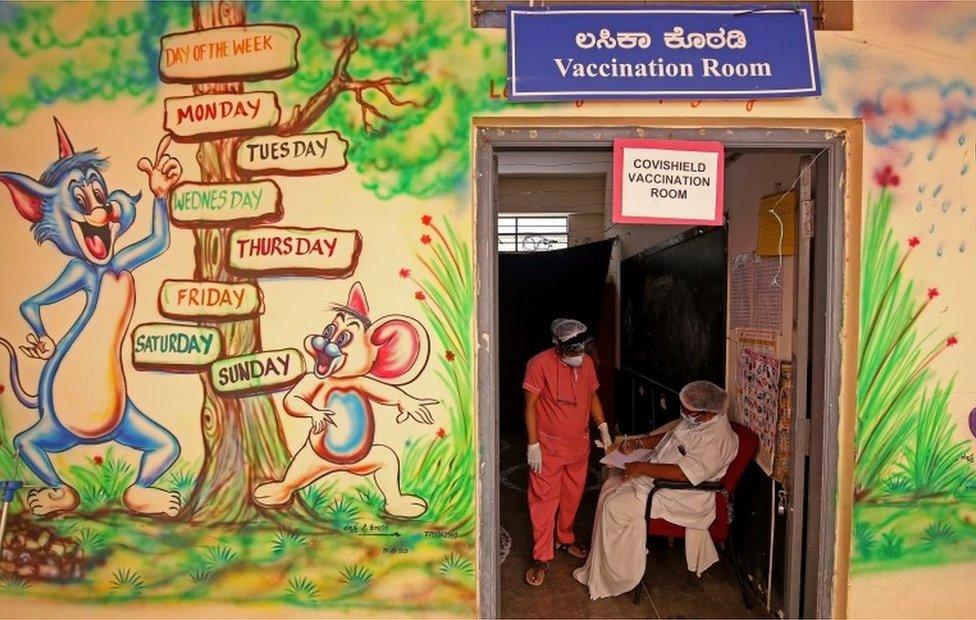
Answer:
(905, 70)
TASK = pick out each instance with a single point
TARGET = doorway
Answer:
(800, 582)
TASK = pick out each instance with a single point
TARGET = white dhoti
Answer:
(618, 549)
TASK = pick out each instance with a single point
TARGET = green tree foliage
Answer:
(78, 52)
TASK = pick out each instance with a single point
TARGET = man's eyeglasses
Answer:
(572, 349)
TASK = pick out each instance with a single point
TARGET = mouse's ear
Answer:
(27, 193)
(403, 347)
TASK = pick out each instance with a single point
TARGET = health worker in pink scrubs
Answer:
(560, 398)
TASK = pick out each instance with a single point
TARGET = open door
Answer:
(791, 501)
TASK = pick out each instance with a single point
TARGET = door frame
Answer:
(827, 138)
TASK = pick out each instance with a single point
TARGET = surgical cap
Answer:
(565, 329)
(704, 396)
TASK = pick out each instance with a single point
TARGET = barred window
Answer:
(532, 233)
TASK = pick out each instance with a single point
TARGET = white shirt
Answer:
(703, 452)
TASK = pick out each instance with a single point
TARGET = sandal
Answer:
(574, 549)
(536, 573)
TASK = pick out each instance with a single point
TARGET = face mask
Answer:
(576, 361)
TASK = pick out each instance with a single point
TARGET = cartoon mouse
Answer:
(82, 396)
(358, 363)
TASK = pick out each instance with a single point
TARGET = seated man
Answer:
(698, 447)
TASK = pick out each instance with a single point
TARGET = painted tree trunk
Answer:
(242, 437)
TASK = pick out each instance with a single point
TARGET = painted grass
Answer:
(914, 491)
(162, 562)
(441, 468)
(921, 533)
(904, 428)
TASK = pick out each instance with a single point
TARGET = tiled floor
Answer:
(670, 590)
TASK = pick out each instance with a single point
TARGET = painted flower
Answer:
(419, 296)
(441, 433)
(404, 273)
(913, 242)
(933, 293)
(886, 177)
(426, 220)
(952, 341)
(425, 239)
(97, 459)
(2, 388)
(450, 356)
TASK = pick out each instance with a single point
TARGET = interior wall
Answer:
(551, 193)
(581, 197)
(748, 179)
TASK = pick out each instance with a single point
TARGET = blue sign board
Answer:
(688, 52)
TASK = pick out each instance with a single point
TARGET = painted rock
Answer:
(350, 438)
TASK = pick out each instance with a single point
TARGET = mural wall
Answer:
(239, 300)
(240, 325)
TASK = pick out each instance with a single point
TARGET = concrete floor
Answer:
(670, 590)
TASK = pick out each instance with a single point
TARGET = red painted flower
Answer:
(2, 388)
(419, 296)
(441, 433)
(913, 242)
(404, 273)
(952, 341)
(933, 293)
(426, 220)
(886, 177)
(425, 239)
(97, 459)
(450, 356)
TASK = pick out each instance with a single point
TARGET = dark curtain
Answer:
(534, 289)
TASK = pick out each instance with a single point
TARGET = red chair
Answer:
(724, 489)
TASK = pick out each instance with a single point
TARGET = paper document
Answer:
(620, 460)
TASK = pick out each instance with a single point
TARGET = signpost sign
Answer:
(693, 52)
(668, 182)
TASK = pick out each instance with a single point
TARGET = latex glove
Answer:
(535, 457)
(605, 440)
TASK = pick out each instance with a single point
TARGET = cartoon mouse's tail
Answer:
(28, 400)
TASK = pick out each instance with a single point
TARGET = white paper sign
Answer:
(668, 182)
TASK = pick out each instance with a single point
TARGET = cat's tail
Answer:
(28, 400)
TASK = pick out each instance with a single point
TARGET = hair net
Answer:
(704, 396)
(566, 329)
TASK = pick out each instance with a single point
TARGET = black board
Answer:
(673, 309)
